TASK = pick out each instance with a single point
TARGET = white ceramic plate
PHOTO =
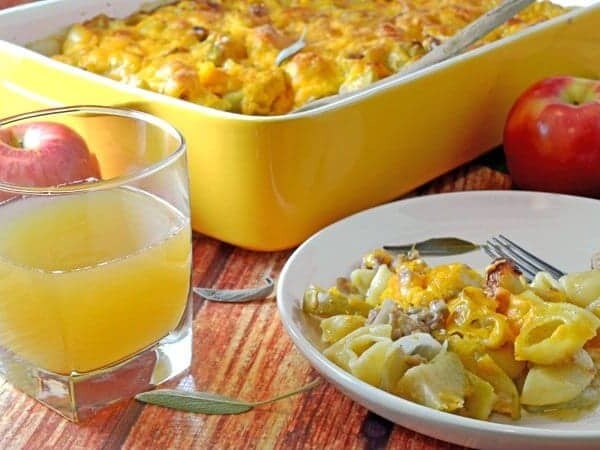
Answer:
(565, 230)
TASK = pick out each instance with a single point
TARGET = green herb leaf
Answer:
(237, 295)
(436, 246)
(197, 402)
(208, 402)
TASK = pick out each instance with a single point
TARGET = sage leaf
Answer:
(436, 246)
(196, 402)
(208, 402)
(237, 295)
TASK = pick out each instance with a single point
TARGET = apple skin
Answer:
(552, 137)
(45, 154)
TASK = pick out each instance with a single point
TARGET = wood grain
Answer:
(240, 350)
(9, 3)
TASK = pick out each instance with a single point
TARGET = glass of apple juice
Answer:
(95, 256)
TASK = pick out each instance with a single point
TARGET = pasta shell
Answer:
(547, 385)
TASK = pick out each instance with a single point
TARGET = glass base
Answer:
(79, 396)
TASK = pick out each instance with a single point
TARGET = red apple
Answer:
(45, 154)
(552, 137)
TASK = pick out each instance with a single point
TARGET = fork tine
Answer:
(529, 264)
(495, 249)
(556, 273)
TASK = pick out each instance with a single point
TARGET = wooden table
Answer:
(240, 350)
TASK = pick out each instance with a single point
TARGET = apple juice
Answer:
(89, 279)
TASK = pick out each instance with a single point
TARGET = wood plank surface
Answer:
(240, 350)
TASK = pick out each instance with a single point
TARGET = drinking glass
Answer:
(95, 292)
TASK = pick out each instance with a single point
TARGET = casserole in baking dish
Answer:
(268, 182)
(226, 54)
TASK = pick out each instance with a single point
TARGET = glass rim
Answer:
(101, 184)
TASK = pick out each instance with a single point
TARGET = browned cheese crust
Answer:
(222, 54)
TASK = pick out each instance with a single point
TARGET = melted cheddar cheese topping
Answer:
(222, 53)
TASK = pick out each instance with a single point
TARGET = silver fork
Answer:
(502, 247)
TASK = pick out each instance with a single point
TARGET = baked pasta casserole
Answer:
(473, 343)
(224, 53)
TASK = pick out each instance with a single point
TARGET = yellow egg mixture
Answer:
(222, 53)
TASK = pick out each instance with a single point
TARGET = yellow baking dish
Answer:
(267, 183)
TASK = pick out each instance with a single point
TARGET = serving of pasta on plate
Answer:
(475, 321)
(473, 343)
